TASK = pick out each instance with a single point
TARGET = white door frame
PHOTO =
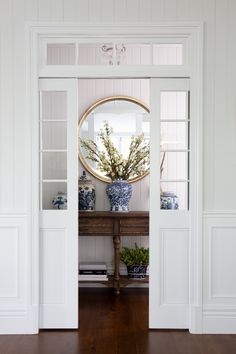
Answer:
(192, 32)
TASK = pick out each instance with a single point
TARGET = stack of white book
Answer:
(93, 271)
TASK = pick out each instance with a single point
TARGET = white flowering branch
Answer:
(111, 162)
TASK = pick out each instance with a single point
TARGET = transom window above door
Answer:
(123, 53)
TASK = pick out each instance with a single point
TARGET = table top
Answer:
(113, 214)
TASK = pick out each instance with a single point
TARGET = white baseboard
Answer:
(219, 288)
(219, 319)
(17, 315)
(195, 320)
(18, 320)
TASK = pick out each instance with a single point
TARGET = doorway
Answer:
(121, 105)
(59, 198)
(189, 38)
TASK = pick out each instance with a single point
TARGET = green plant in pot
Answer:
(136, 260)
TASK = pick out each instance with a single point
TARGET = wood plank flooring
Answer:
(111, 324)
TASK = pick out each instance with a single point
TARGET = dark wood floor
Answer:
(112, 324)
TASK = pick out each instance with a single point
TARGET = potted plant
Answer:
(136, 260)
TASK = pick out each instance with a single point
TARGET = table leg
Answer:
(116, 284)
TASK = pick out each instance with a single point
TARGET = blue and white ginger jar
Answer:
(87, 194)
(60, 201)
(169, 201)
(119, 193)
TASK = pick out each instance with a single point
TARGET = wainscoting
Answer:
(219, 275)
(15, 290)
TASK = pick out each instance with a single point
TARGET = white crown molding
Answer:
(140, 28)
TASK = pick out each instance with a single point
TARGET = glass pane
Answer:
(54, 165)
(54, 135)
(54, 105)
(54, 195)
(133, 54)
(174, 195)
(114, 54)
(167, 54)
(61, 54)
(174, 105)
(174, 166)
(174, 135)
(95, 53)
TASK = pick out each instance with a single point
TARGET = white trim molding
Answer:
(17, 312)
(219, 214)
(192, 34)
(219, 264)
(219, 319)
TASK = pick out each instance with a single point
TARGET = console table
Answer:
(115, 224)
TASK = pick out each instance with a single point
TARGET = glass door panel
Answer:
(174, 166)
(169, 204)
(54, 166)
(53, 149)
(179, 189)
(58, 212)
(50, 191)
(54, 135)
(173, 105)
(174, 146)
(53, 105)
(174, 135)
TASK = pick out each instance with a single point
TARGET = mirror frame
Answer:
(85, 115)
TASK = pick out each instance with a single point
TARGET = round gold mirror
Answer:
(126, 117)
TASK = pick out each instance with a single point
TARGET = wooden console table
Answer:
(115, 224)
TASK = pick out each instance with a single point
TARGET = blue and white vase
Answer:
(169, 201)
(119, 193)
(87, 194)
(137, 271)
(60, 201)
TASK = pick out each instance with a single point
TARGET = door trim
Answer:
(193, 32)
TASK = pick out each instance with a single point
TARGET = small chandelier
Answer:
(114, 53)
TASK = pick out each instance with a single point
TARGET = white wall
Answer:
(90, 91)
(219, 123)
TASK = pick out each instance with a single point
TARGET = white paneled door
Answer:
(58, 203)
(170, 219)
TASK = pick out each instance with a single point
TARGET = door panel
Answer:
(169, 229)
(58, 222)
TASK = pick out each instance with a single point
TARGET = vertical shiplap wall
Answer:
(7, 113)
(90, 91)
(219, 78)
(219, 95)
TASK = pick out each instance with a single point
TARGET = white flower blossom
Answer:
(111, 162)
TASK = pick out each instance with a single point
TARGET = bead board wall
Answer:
(90, 91)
